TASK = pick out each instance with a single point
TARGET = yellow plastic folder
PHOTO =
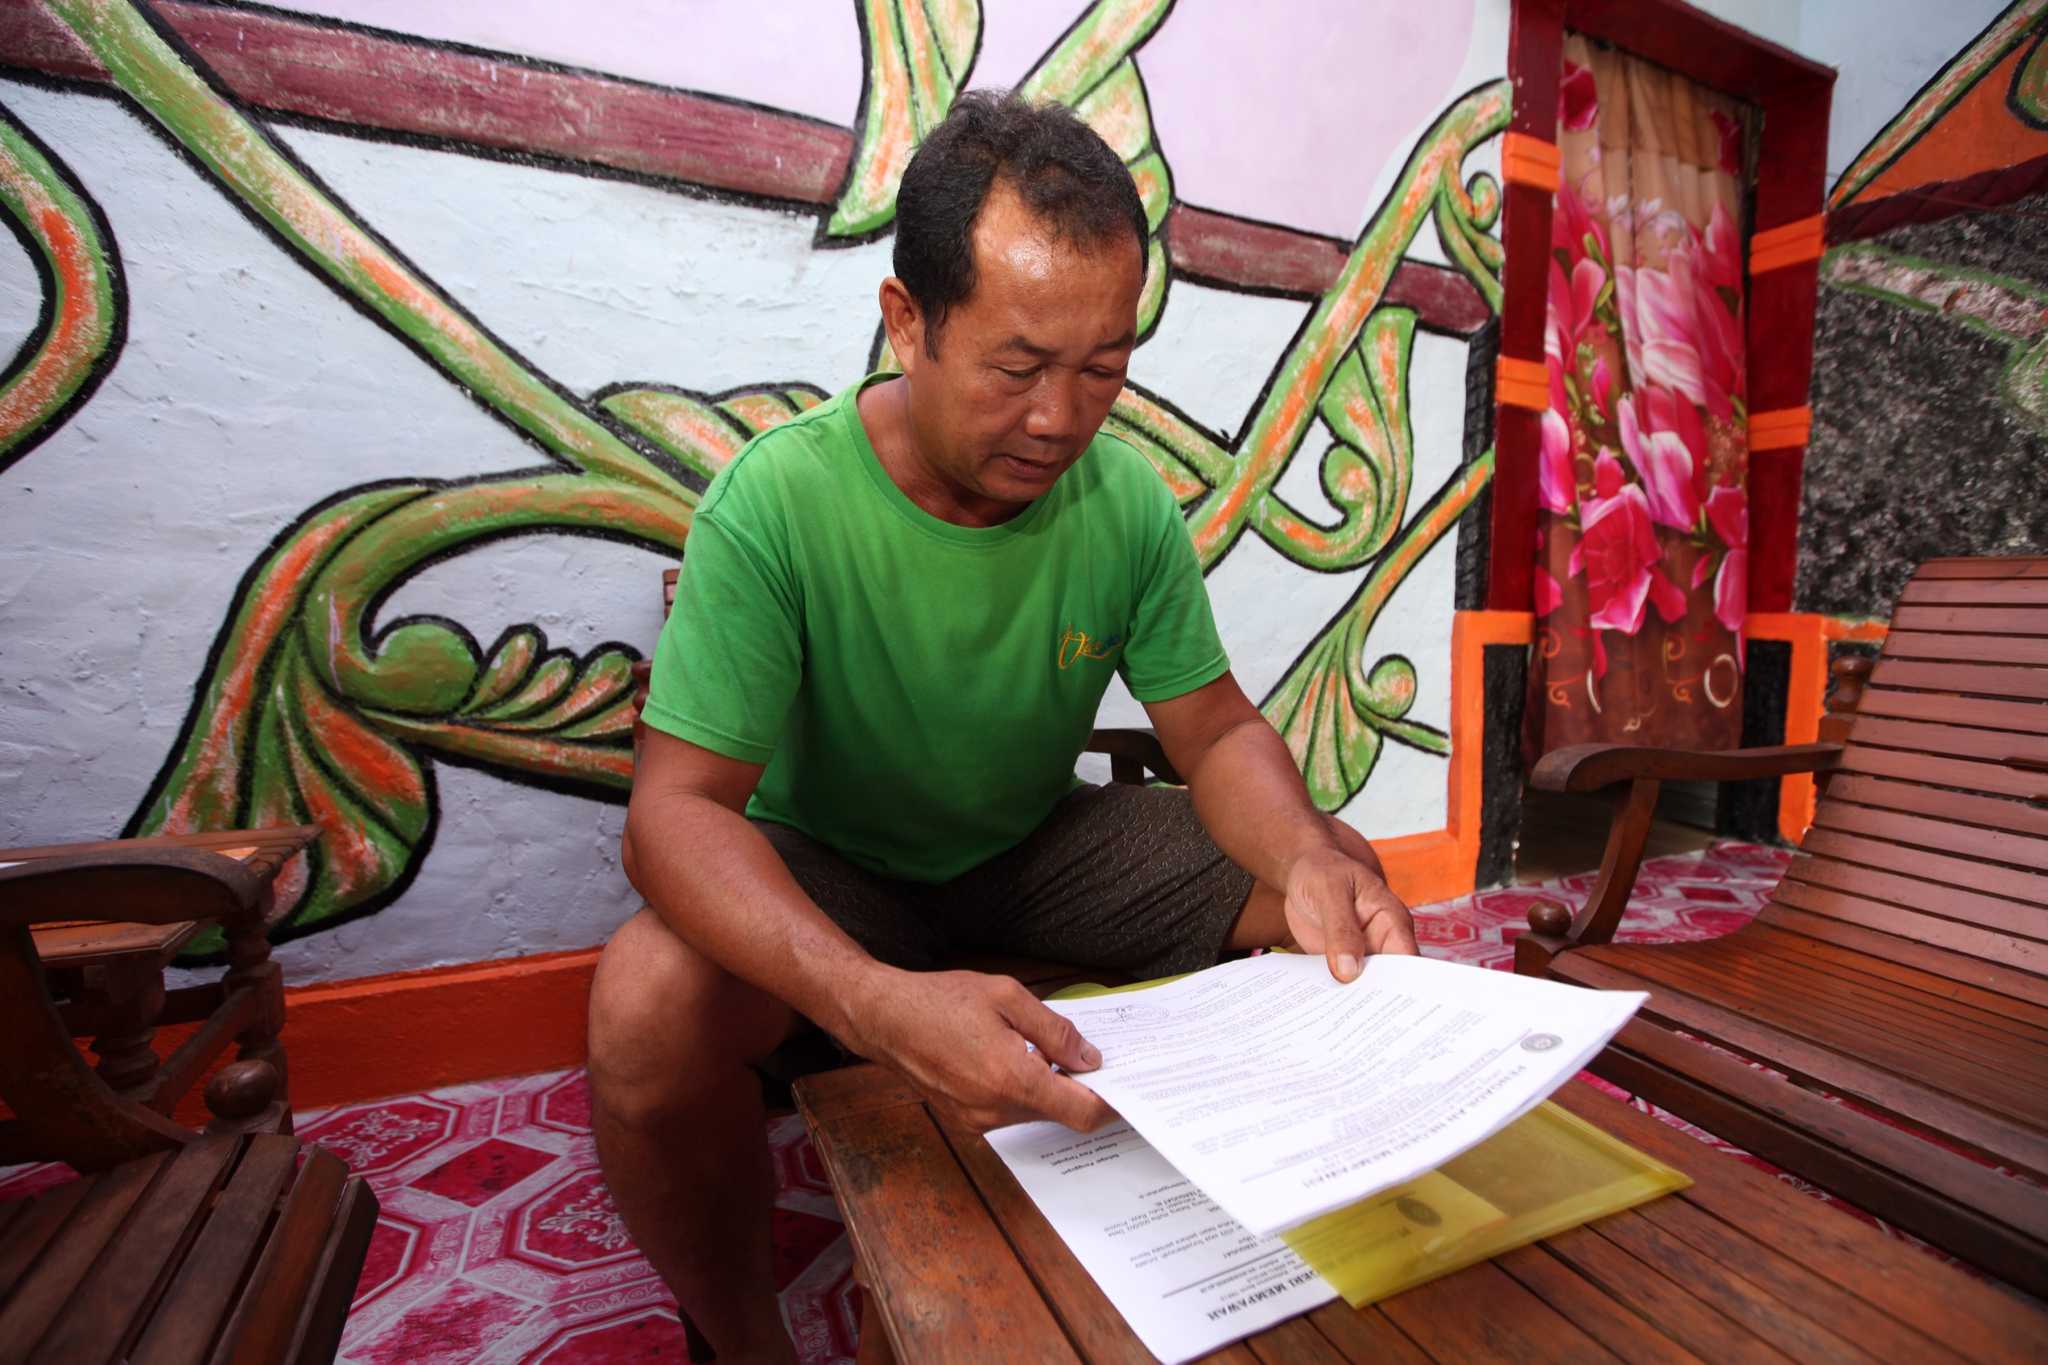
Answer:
(1546, 1172)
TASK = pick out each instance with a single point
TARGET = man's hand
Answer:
(960, 1038)
(1342, 909)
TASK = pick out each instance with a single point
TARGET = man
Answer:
(897, 616)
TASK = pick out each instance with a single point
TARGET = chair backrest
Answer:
(1934, 829)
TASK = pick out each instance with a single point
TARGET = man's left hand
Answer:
(1342, 909)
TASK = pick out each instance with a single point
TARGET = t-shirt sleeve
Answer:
(730, 658)
(1174, 647)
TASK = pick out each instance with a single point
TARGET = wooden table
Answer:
(111, 973)
(959, 1265)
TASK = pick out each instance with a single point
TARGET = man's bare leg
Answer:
(681, 1132)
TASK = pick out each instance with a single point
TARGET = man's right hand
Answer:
(960, 1038)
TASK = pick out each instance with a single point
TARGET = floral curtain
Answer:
(1643, 536)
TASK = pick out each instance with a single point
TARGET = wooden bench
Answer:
(232, 1248)
(1896, 985)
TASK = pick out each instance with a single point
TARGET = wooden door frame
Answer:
(1793, 94)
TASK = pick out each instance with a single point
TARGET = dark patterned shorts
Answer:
(1121, 877)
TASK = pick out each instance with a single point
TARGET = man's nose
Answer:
(1054, 406)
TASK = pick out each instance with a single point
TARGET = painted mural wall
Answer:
(370, 357)
(1938, 273)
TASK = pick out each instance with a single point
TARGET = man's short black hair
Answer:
(1062, 169)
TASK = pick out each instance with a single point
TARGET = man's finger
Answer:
(1343, 939)
(1052, 1033)
(1067, 1101)
(1389, 928)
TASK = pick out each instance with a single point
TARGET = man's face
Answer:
(1028, 364)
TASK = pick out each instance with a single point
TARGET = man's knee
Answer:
(667, 1023)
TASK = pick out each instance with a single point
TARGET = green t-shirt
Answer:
(918, 690)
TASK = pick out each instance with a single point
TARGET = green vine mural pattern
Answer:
(312, 712)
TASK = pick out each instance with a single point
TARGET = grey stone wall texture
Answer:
(1929, 433)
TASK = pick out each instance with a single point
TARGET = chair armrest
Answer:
(1589, 767)
(135, 886)
(1132, 752)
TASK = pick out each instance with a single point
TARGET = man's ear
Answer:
(903, 321)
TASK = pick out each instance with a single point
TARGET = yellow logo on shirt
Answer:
(1076, 645)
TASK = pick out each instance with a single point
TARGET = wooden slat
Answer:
(2022, 1015)
(1364, 1334)
(1952, 741)
(1974, 620)
(1978, 649)
(1988, 680)
(1988, 884)
(2020, 592)
(1837, 1310)
(2020, 717)
(1991, 976)
(1584, 1294)
(34, 1229)
(1821, 899)
(947, 1281)
(1837, 1036)
(1992, 812)
(1944, 772)
(323, 1312)
(1977, 1320)
(1985, 566)
(260, 1325)
(1973, 841)
(1947, 901)
(108, 1301)
(182, 1328)
(1727, 1290)
(42, 1293)
(1897, 999)
(1804, 1058)
(1516, 1325)
(1099, 1332)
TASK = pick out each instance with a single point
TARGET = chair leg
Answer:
(131, 997)
(874, 1348)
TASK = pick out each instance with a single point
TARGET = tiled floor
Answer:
(498, 1243)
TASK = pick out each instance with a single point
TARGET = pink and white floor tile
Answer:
(497, 1241)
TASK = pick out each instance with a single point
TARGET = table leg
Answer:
(131, 997)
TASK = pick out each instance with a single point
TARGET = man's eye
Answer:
(1021, 374)
(1099, 373)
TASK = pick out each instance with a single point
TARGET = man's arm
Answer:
(1251, 799)
(722, 888)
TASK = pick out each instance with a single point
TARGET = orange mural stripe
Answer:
(1526, 160)
(1521, 384)
(1780, 428)
(1792, 244)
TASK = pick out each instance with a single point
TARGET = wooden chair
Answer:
(1896, 986)
(233, 1248)
(65, 1110)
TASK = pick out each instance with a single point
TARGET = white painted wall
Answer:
(248, 392)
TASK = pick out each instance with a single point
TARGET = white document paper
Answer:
(1186, 1276)
(1283, 1094)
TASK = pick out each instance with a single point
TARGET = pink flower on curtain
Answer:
(1619, 554)
(1721, 251)
(1578, 102)
(1728, 514)
(1683, 336)
(1665, 441)
(1571, 221)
